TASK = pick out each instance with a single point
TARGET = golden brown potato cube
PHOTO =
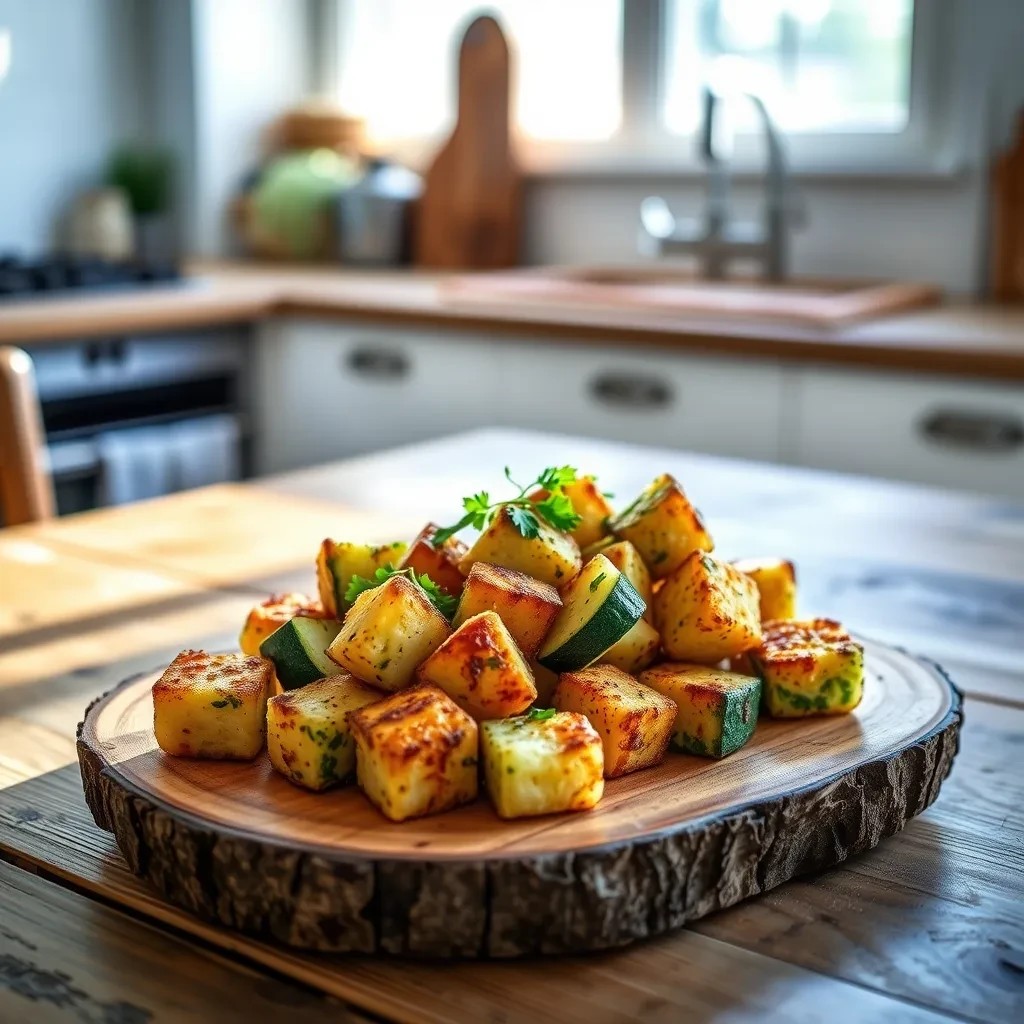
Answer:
(387, 633)
(441, 564)
(625, 557)
(776, 585)
(270, 615)
(212, 706)
(308, 735)
(590, 504)
(481, 669)
(526, 606)
(416, 753)
(552, 557)
(635, 723)
(663, 526)
(542, 763)
(706, 611)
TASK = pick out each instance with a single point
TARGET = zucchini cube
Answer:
(707, 610)
(625, 557)
(590, 504)
(526, 606)
(635, 723)
(298, 650)
(542, 764)
(599, 607)
(416, 753)
(441, 564)
(717, 709)
(481, 669)
(636, 650)
(663, 526)
(551, 556)
(270, 615)
(212, 706)
(308, 735)
(337, 563)
(809, 668)
(387, 633)
(776, 585)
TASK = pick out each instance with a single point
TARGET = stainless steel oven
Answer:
(129, 418)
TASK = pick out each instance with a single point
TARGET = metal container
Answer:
(373, 217)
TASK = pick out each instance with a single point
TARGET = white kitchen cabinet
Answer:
(932, 430)
(326, 389)
(705, 404)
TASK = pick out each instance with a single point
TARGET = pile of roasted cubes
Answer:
(569, 658)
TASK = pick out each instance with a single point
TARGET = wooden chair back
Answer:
(26, 487)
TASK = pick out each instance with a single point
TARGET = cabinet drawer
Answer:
(720, 406)
(930, 430)
(330, 390)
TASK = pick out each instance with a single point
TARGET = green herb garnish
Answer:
(555, 508)
(596, 581)
(235, 702)
(539, 714)
(444, 603)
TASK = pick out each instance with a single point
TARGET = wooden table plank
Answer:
(66, 958)
(44, 823)
(227, 535)
(933, 915)
(46, 588)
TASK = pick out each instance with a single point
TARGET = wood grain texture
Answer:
(471, 211)
(238, 844)
(918, 908)
(224, 535)
(66, 958)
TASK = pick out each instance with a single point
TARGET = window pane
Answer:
(398, 62)
(819, 65)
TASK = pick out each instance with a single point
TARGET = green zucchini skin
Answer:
(297, 650)
(610, 623)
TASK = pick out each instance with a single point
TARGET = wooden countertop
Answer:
(975, 341)
(928, 926)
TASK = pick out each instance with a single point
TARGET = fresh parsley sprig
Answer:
(444, 603)
(555, 508)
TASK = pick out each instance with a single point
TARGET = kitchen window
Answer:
(615, 85)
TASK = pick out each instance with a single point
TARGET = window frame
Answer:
(928, 147)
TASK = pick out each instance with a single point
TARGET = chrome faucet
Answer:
(720, 240)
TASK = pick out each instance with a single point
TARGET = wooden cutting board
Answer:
(470, 213)
(237, 844)
(1007, 270)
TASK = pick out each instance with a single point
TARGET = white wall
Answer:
(71, 95)
(251, 61)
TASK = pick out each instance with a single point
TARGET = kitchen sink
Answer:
(663, 289)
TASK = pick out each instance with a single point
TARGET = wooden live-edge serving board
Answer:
(237, 844)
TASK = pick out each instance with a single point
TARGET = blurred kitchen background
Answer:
(245, 236)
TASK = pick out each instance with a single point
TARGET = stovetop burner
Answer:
(20, 278)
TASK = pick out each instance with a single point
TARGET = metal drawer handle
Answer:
(628, 391)
(378, 363)
(974, 431)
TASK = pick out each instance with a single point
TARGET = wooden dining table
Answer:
(927, 926)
